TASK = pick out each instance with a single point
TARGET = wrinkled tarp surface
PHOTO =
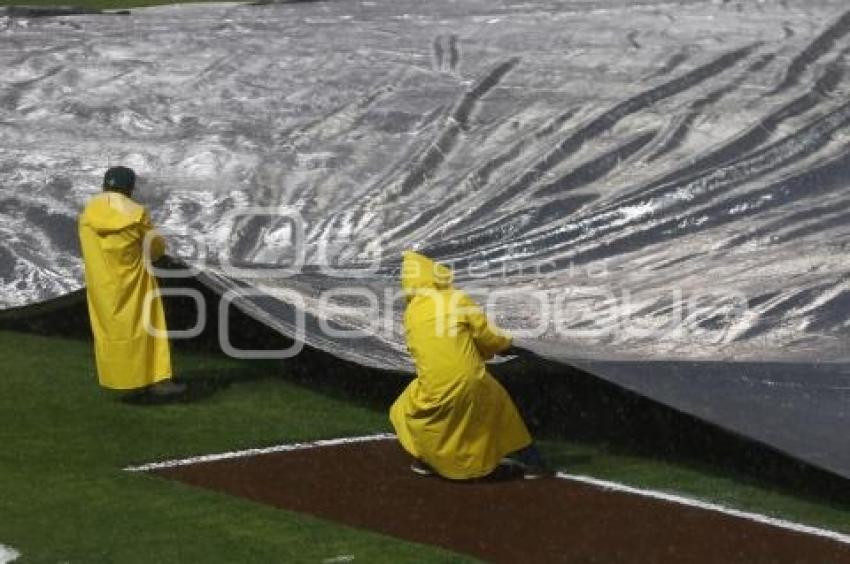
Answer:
(663, 188)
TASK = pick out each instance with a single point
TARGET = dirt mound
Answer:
(369, 485)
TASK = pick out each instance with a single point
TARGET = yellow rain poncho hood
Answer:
(122, 293)
(454, 416)
(419, 273)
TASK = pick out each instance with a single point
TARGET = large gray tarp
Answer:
(660, 190)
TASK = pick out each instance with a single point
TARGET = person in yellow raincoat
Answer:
(454, 418)
(121, 291)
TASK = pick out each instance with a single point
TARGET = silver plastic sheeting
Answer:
(656, 191)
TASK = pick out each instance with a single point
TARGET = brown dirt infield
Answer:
(369, 485)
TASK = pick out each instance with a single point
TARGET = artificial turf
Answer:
(64, 495)
(65, 498)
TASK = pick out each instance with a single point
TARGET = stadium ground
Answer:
(65, 497)
(364, 482)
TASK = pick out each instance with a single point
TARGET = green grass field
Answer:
(65, 498)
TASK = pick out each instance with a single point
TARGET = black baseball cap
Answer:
(119, 179)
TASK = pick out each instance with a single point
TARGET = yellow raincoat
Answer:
(112, 229)
(454, 416)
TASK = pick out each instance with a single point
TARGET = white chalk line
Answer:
(690, 502)
(257, 452)
(588, 480)
(8, 554)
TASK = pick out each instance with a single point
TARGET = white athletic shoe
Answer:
(421, 469)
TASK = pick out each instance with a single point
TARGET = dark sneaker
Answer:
(531, 461)
(421, 469)
(536, 472)
(510, 461)
(167, 388)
